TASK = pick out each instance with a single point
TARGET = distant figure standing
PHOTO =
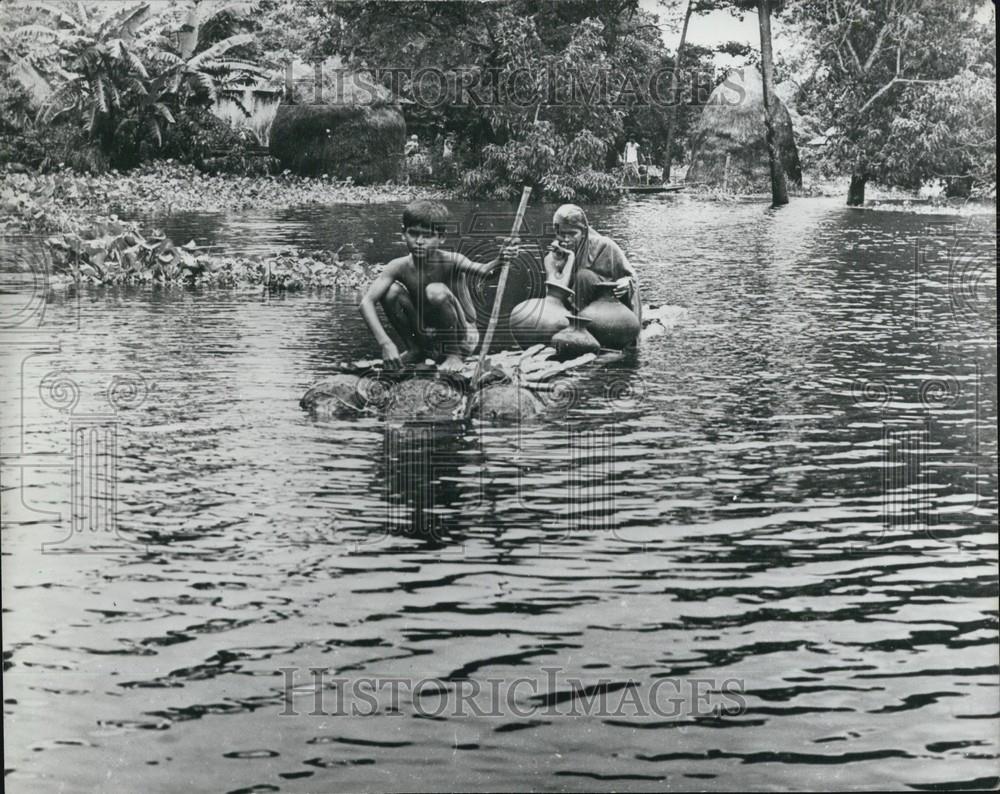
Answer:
(632, 159)
(449, 166)
(418, 164)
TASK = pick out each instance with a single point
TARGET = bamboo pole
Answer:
(497, 300)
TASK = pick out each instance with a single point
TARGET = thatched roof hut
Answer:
(361, 141)
(729, 147)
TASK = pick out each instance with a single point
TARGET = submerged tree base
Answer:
(856, 191)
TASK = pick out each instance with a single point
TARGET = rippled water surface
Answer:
(786, 509)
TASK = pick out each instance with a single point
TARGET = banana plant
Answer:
(198, 60)
(205, 74)
(81, 58)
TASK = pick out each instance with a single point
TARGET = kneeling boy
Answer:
(425, 295)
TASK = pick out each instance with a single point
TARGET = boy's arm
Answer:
(376, 292)
(466, 265)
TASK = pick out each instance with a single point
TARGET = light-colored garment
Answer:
(631, 153)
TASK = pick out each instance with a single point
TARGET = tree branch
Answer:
(854, 57)
(879, 40)
(890, 84)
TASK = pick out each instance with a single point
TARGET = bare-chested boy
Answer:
(425, 294)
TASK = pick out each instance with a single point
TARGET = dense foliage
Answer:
(501, 94)
(909, 86)
(539, 93)
(106, 250)
(107, 81)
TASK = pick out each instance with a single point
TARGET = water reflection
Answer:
(421, 465)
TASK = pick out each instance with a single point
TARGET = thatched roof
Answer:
(732, 127)
(364, 142)
(804, 126)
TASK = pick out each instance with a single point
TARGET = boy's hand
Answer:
(623, 286)
(451, 364)
(390, 356)
(509, 252)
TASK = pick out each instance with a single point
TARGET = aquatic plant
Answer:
(56, 201)
(112, 251)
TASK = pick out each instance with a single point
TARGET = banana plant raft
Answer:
(520, 385)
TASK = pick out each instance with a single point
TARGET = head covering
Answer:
(570, 215)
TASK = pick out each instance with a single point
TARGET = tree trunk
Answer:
(856, 192)
(187, 39)
(672, 118)
(779, 188)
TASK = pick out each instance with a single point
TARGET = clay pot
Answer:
(536, 320)
(575, 340)
(613, 323)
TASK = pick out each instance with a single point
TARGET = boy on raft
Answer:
(425, 294)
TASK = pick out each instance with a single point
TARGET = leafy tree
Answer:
(909, 85)
(289, 29)
(509, 67)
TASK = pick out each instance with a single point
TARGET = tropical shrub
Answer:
(212, 145)
(561, 169)
(89, 70)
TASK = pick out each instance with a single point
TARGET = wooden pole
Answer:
(491, 327)
(779, 187)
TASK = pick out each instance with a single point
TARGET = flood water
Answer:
(763, 557)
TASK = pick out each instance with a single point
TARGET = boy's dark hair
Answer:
(428, 214)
